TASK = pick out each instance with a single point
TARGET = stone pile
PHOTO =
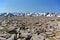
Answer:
(37, 30)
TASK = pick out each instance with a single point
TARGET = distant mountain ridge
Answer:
(28, 14)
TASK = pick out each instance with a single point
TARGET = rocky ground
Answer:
(30, 28)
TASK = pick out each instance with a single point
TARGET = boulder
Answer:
(1, 38)
(37, 37)
(12, 30)
(5, 35)
(13, 37)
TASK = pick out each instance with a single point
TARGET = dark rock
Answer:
(28, 37)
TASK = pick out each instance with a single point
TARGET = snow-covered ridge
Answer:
(31, 14)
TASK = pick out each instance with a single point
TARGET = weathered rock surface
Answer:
(30, 28)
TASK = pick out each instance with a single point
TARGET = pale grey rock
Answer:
(37, 37)
(1, 28)
(5, 35)
(11, 28)
(13, 37)
(19, 39)
(1, 38)
(50, 34)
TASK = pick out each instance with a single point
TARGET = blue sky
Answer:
(30, 6)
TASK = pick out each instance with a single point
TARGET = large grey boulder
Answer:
(12, 30)
(13, 37)
(5, 35)
(1, 38)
